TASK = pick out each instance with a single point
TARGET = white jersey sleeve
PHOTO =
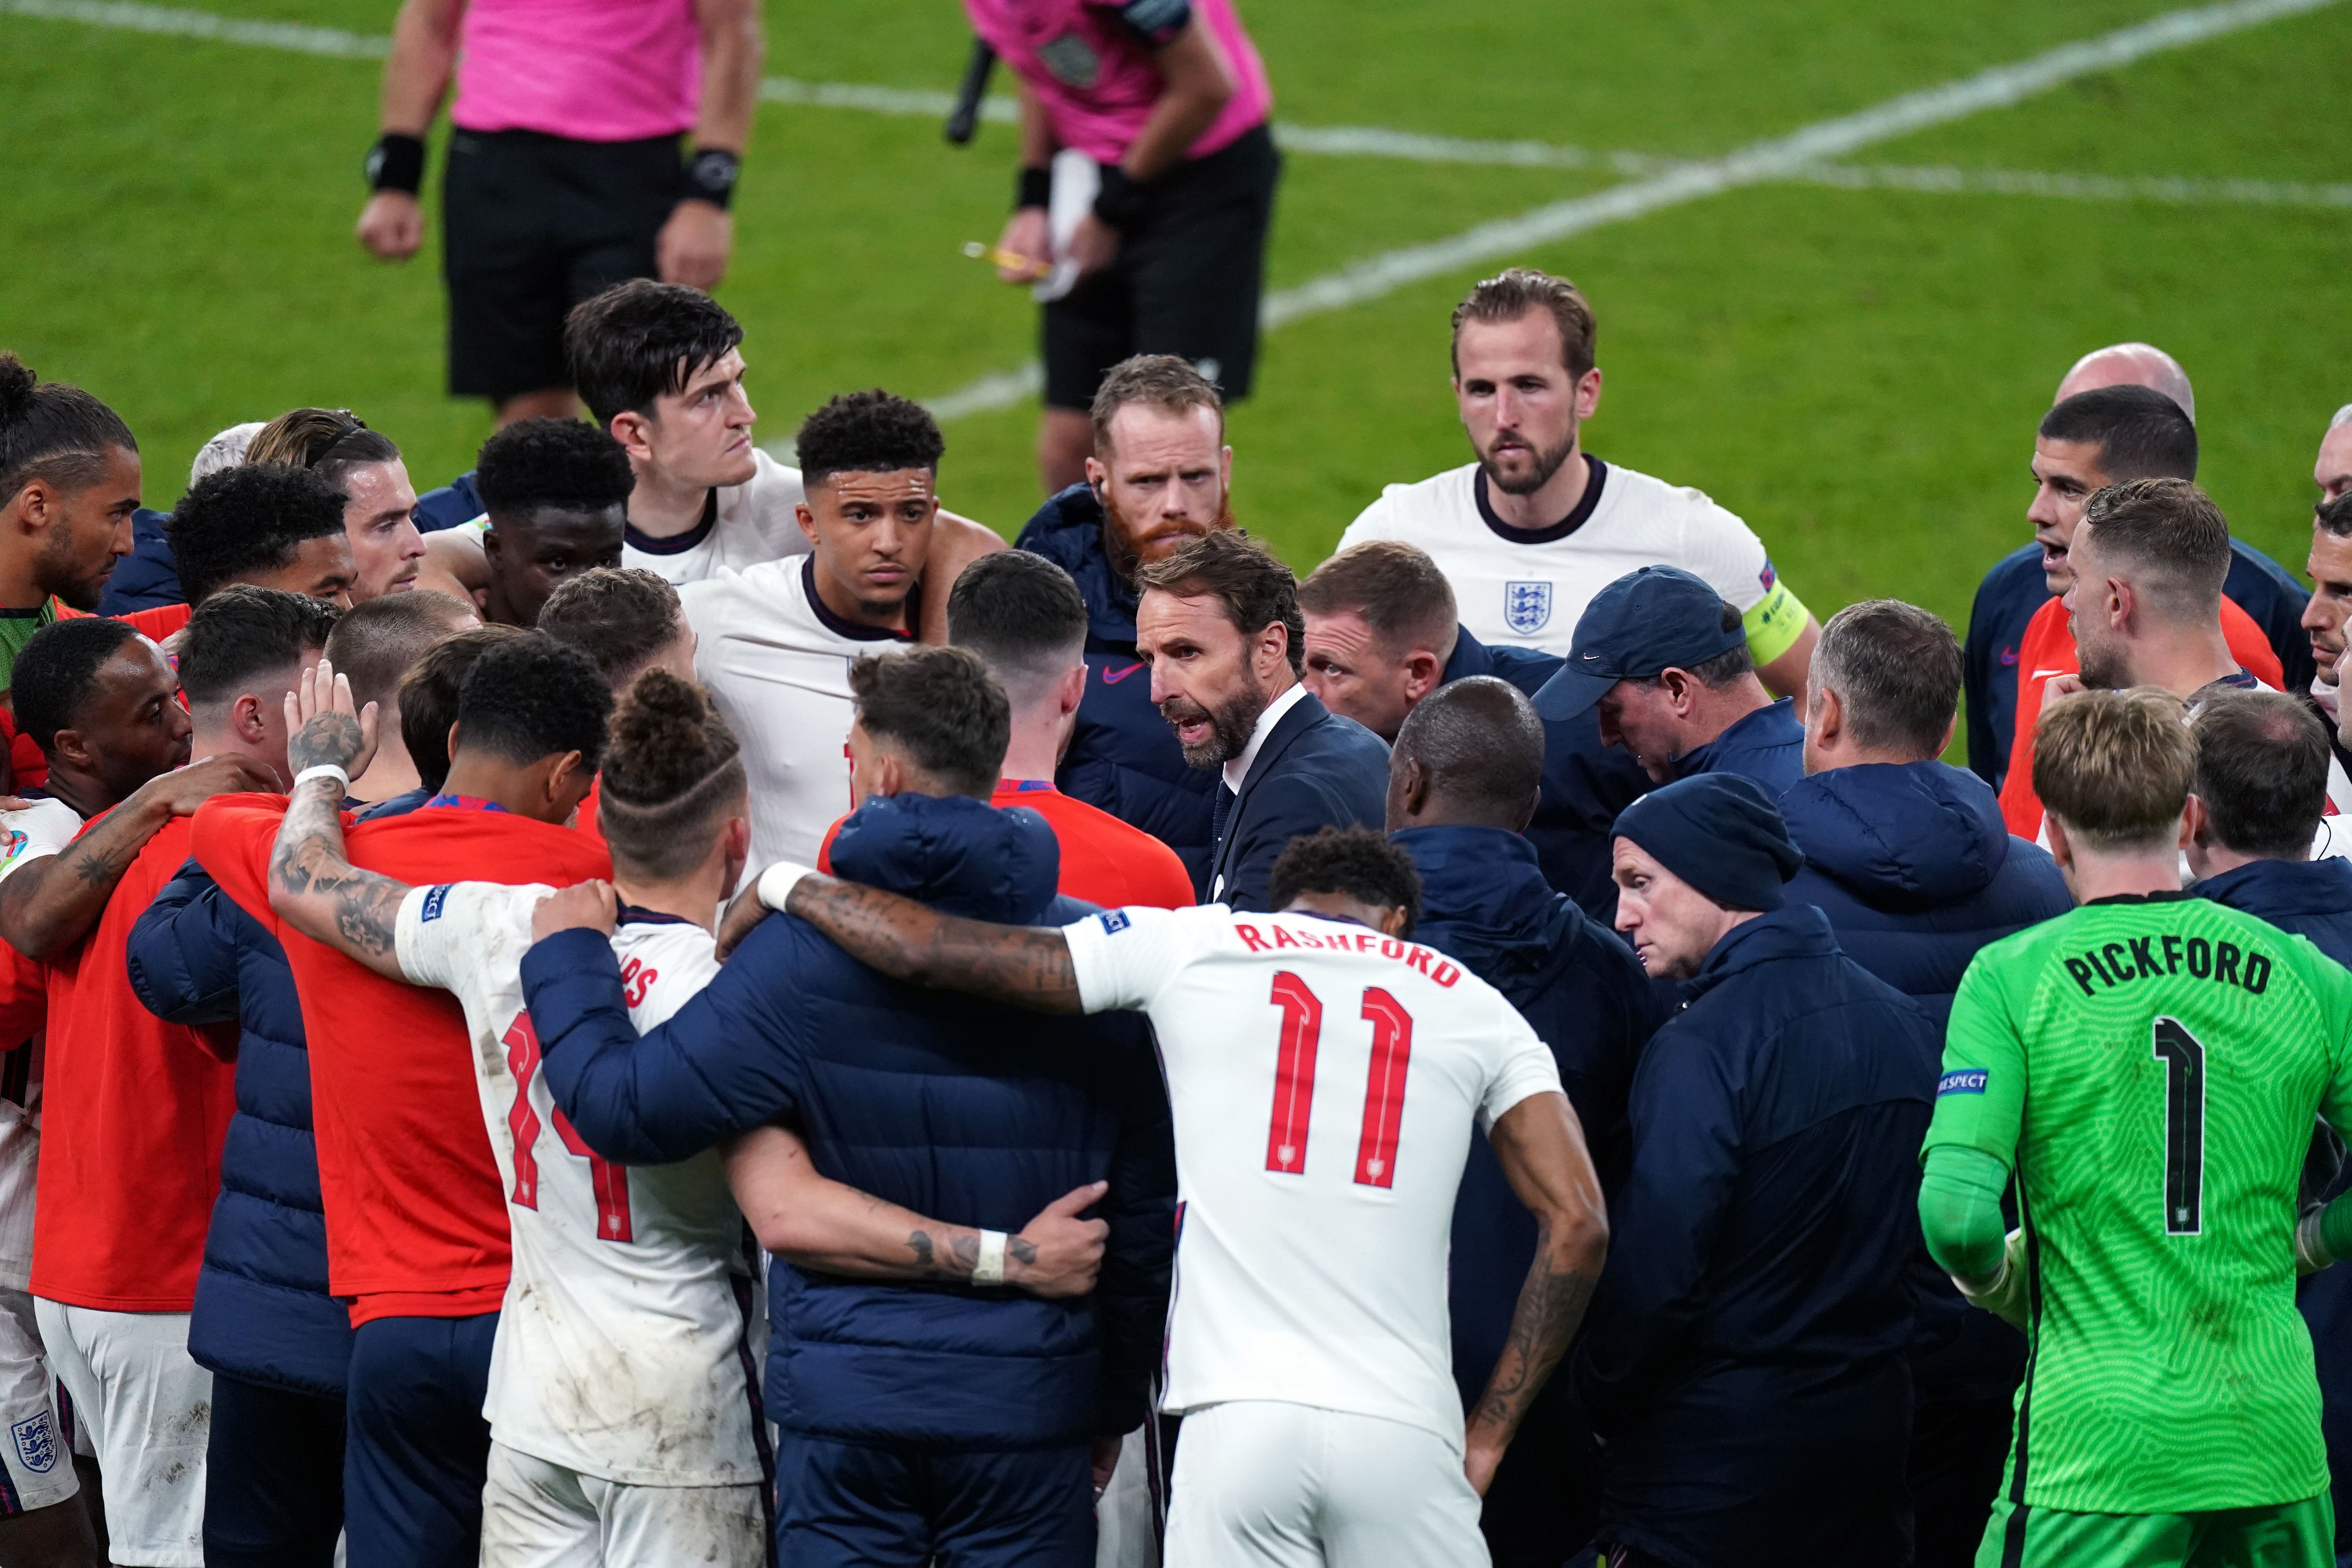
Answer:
(1126, 958)
(1377, 520)
(1717, 546)
(444, 936)
(1526, 1068)
(44, 827)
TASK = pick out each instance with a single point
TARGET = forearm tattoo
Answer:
(309, 863)
(1551, 1304)
(909, 940)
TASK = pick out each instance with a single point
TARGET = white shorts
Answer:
(36, 1456)
(148, 1409)
(538, 1515)
(1290, 1486)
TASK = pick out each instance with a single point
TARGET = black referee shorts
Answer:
(531, 225)
(1186, 281)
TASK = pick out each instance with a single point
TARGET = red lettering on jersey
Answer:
(522, 1060)
(1284, 938)
(1364, 941)
(637, 980)
(1446, 975)
(1250, 939)
(1419, 958)
(1376, 1146)
(1293, 1073)
(610, 1181)
(1392, 948)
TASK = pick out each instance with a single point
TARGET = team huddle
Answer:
(653, 1005)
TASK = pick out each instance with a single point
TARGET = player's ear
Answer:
(2196, 823)
(1395, 921)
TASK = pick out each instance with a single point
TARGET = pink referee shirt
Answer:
(1097, 79)
(591, 70)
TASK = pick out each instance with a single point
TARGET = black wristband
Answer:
(1035, 188)
(711, 174)
(396, 162)
(1122, 201)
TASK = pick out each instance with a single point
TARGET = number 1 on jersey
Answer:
(2184, 1127)
(1293, 1081)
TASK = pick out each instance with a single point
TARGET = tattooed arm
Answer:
(49, 904)
(1024, 965)
(820, 1224)
(313, 885)
(1542, 1152)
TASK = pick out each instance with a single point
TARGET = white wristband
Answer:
(990, 1268)
(777, 881)
(324, 771)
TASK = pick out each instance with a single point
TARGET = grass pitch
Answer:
(1857, 371)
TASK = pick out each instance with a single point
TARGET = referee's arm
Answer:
(416, 75)
(693, 245)
(1198, 81)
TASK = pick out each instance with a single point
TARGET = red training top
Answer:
(417, 1217)
(1104, 860)
(2047, 650)
(133, 1111)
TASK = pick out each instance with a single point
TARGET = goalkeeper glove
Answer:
(2001, 1292)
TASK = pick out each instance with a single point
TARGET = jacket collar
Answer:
(1765, 730)
(1470, 657)
(963, 857)
(1268, 721)
(1304, 715)
(2267, 887)
(1068, 530)
(1484, 888)
(1794, 930)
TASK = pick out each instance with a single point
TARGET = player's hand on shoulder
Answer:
(745, 912)
(1059, 1254)
(2059, 686)
(392, 225)
(583, 906)
(185, 789)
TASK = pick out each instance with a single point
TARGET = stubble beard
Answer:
(1547, 463)
(1230, 723)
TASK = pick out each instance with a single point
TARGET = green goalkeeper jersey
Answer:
(2149, 1068)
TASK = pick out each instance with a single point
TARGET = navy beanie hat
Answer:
(1719, 832)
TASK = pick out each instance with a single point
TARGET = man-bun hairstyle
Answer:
(673, 772)
(52, 432)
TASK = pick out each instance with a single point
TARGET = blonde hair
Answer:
(2115, 766)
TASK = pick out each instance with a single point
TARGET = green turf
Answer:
(1856, 372)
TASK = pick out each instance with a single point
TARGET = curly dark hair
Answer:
(943, 708)
(618, 616)
(1354, 861)
(52, 431)
(673, 768)
(245, 520)
(243, 633)
(874, 432)
(641, 339)
(531, 697)
(428, 695)
(54, 672)
(557, 463)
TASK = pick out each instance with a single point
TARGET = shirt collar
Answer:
(1237, 769)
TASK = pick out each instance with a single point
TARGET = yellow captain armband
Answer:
(1774, 621)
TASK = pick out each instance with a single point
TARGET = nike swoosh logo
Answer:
(2009, 656)
(1112, 678)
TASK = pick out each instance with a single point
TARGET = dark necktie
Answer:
(1223, 814)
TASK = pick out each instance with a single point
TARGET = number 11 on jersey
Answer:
(1293, 1081)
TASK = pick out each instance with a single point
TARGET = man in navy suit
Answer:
(1218, 624)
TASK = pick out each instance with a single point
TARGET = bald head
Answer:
(1470, 754)
(2131, 364)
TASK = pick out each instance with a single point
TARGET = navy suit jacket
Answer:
(1314, 770)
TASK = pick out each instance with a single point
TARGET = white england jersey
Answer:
(777, 664)
(744, 525)
(1530, 594)
(623, 1349)
(44, 829)
(1325, 1082)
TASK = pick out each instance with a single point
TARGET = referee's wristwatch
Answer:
(710, 175)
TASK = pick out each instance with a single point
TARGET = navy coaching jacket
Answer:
(1746, 1352)
(1915, 869)
(1123, 758)
(974, 1114)
(1484, 902)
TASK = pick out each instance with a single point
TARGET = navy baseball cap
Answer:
(1657, 618)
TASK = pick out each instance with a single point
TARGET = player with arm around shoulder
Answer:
(624, 1415)
(2177, 1052)
(1308, 1347)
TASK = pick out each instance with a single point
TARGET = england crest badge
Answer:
(1526, 606)
(36, 1444)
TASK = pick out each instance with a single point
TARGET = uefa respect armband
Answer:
(1774, 621)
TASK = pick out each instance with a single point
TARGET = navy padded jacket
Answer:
(969, 1112)
(1747, 1352)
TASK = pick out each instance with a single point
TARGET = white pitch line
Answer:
(1946, 180)
(1775, 159)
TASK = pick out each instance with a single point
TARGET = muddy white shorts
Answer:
(539, 1515)
(148, 1410)
(35, 1454)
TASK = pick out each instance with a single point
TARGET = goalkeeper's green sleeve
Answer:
(2324, 1235)
(1960, 1210)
